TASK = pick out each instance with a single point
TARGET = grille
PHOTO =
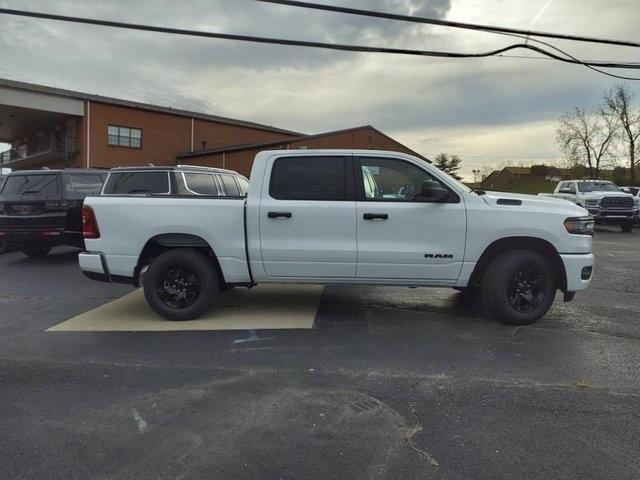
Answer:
(617, 202)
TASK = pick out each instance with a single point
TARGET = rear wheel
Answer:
(627, 226)
(4, 246)
(518, 287)
(180, 284)
(33, 251)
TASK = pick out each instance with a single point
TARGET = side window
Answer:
(309, 178)
(571, 187)
(201, 184)
(127, 183)
(81, 184)
(388, 179)
(243, 183)
(230, 186)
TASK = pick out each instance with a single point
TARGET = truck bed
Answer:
(126, 224)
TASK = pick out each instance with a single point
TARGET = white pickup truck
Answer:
(338, 217)
(603, 199)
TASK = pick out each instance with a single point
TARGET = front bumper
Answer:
(613, 216)
(579, 270)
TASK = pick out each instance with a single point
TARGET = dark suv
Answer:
(40, 209)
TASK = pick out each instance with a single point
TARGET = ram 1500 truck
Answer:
(604, 201)
(342, 217)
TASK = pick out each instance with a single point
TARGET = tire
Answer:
(627, 226)
(4, 246)
(518, 287)
(33, 251)
(180, 284)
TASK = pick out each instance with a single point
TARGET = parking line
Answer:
(263, 307)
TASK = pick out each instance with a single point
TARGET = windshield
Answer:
(37, 185)
(597, 187)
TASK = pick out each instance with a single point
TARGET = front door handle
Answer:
(279, 214)
(374, 216)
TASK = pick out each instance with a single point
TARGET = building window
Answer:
(124, 136)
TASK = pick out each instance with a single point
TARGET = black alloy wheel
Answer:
(178, 287)
(526, 289)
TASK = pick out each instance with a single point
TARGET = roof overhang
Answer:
(20, 110)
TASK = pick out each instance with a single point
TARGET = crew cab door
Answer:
(567, 190)
(307, 217)
(400, 235)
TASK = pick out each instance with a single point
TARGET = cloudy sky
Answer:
(491, 111)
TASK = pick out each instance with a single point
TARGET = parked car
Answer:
(604, 201)
(309, 218)
(185, 180)
(40, 209)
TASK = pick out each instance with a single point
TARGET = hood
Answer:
(524, 202)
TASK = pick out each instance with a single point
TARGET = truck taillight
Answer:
(89, 224)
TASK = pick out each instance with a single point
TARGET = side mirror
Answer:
(433, 192)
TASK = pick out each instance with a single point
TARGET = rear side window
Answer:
(201, 184)
(230, 186)
(131, 183)
(309, 178)
(243, 183)
(36, 185)
(84, 184)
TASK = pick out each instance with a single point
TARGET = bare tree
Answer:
(617, 103)
(587, 138)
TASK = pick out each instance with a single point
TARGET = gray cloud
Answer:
(315, 90)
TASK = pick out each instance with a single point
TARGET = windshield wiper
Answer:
(477, 191)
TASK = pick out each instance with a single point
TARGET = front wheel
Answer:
(180, 284)
(33, 251)
(518, 287)
(627, 226)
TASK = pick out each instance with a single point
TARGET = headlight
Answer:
(637, 202)
(580, 225)
(592, 203)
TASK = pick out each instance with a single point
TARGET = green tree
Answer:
(448, 164)
(540, 170)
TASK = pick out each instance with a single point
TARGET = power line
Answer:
(512, 32)
(322, 45)
(449, 23)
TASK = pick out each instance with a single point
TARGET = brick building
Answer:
(54, 128)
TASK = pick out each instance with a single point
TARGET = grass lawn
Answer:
(533, 188)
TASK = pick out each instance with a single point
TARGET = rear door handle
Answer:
(374, 216)
(279, 214)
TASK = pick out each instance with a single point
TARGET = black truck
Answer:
(40, 209)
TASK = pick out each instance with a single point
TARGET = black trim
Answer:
(454, 197)
(246, 245)
(508, 201)
(103, 277)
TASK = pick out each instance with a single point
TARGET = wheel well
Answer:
(169, 241)
(520, 243)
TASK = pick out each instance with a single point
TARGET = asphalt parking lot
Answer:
(392, 383)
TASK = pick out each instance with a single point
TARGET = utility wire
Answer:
(303, 43)
(449, 23)
(512, 32)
